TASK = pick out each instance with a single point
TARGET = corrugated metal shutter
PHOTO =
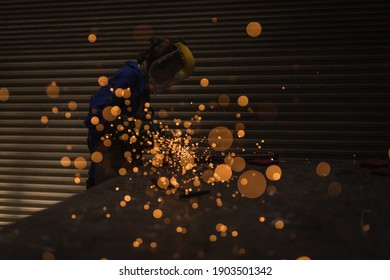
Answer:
(317, 79)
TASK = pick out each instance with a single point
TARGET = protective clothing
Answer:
(163, 71)
(129, 76)
(171, 68)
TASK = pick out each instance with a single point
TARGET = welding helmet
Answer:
(171, 68)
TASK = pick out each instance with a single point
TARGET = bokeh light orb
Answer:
(65, 161)
(157, 214)
(238, 164)
(103, 81)
(220, 138)
(4, 94)
(52, 90)
(80, 163)
(97, 157)
(273, 173)
(72, 105)
(208, 176)
(204, 82)
(335, 189)
(223, 172)
(252, 184)
(108, 113)
(243, 101)
(323, 169)
(254, 29)
(303, 258)
(224, 100)
(92, 38)
(162, 114)
(44, 119)
(163, 182)
(279, 224)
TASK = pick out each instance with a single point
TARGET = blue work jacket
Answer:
(129, 76)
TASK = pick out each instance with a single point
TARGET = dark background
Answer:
(331, 57)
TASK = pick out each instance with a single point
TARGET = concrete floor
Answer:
(352, 225)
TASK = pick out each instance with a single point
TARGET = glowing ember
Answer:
(323, 169)
(127, 198)
(252, 184)
(214, 19)
(201, 107)
(253, 29)
(261, 219)
(303, 258)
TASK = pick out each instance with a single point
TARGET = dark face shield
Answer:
(166, 71)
